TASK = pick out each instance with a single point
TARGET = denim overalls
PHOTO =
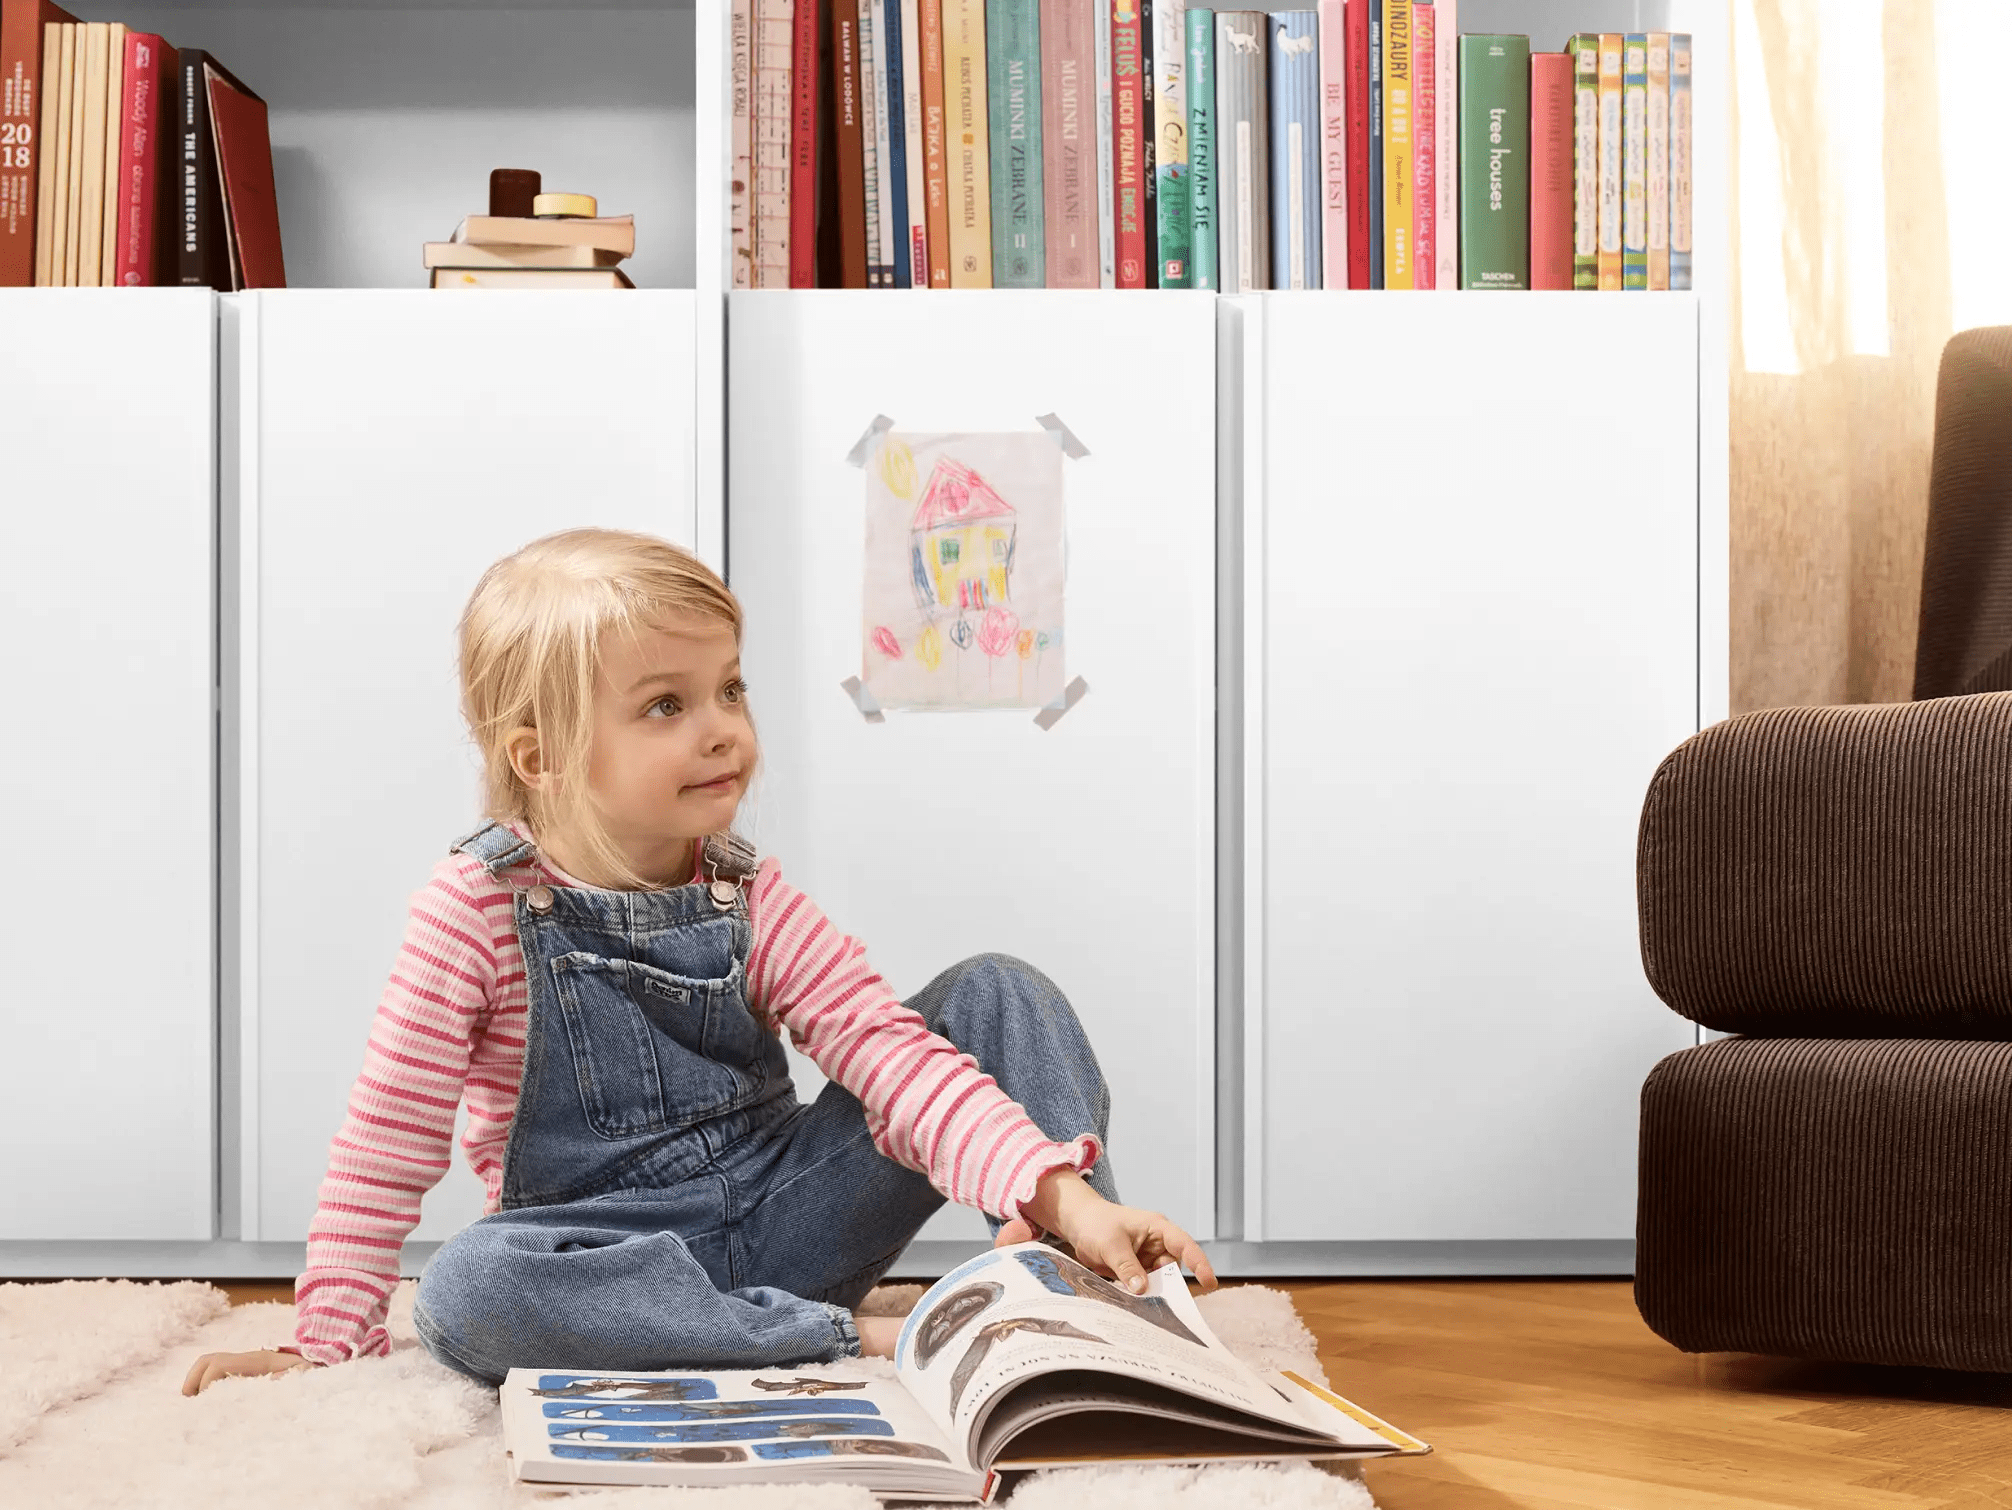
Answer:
(667, 1201)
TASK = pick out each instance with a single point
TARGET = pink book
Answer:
(1550, 170)
(1333, 145)
(139, 158)
(1069, 141)
(1424, 147)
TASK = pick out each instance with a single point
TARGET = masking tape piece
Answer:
(863, 700)
(1071, 695)
(1062, 435)
(863, 448)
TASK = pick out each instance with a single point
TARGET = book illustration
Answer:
(1242, 41)
(963, 573)
(850, 1447)
(573, 1386)
(1063, 1275)
(948, 1317)
(651, 1454)
(707, 1410)
(803, 1386)
(992, 1331)
(1293, 46)
(726, 1431)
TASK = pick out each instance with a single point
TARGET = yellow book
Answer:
(970, 172)
(1609, 248)
(46, 171)
(115, 95)
(1398, 152)
(91, 166)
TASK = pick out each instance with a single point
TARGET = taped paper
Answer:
(863, 447)
(864, 701)
(1062, 435)
(1071, 695)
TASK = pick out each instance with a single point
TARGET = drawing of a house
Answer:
(961, 543)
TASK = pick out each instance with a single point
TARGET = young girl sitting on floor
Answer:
(603, 971)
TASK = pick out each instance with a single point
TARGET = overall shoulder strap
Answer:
(496, 846)
(730, 857)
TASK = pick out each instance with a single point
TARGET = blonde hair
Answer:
(530, 648)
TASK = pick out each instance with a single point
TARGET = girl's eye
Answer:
(662, 701)
(736, 690)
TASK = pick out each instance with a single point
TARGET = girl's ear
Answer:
(521, 745)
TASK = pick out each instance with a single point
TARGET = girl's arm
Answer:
(928, 1105)
(397, 1139)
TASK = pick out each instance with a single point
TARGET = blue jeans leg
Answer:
(828, 1213)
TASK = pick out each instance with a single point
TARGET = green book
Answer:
(1202, 147)
(1635, 161)
(1494, 161)
(1171, 169)
(1013, 93)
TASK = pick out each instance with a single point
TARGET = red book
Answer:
(251, 206)
(803, 146)
(1128, 179)
(21, 23)
(1550, 170)
(847, 145)
(149, 71)
(1355, 18)
(1424, 147)
(935, 145)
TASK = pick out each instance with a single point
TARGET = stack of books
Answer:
(1153, 144)
(127, 163)
(534, 251)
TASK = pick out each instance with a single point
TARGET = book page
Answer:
(1018, 1312)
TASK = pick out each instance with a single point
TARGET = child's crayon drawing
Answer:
(709, 1410)
(721, 1431)
(727, 1454)
(1063, 1275)
(849, 1447)
(962, 591)
(600, 1387)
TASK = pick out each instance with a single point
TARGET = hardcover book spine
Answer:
(139, 159)
(1127, 174)
(740, 210)
(1242, 135)
(1424, 144)
(1355, 55)
(803, 146)
(1295, 150)
(1550, 170)
(1609, 251)
(935, 142)
(1680, 160)
(1203, 169)
(1107, 183)
(873, 150)
(1397, 163)
(1377, 258)
(1446, 137)
(1068, 143)
(41, 152)
(893, 118)
(970, 168)
(73, 181)
(1635, 162)
(28, 63)
(1013, 88)
(774, 40)
(916, 188)
(1333, 145)
(63, 87)
(1174, 174)
(91, 219)
(1149, 178)
(115, 101)
(848, 149)
(1585, 51)
(1658, 180)
(1494, 161)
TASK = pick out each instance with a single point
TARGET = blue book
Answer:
(1202, 147)
(897, 144)
(1296, 195)
(1375, 141)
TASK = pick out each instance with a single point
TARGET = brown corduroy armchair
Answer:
(1834, 886)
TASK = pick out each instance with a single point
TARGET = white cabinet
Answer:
(1086, 848)
(106, 638)
(381, 449)
(1463, 658)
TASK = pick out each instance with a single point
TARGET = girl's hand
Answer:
(1118, 1242)
(214, 1366)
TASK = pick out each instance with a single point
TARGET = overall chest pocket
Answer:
(653, 1051)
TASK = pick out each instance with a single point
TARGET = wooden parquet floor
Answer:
(1552, 1395)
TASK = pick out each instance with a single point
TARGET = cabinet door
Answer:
(107, 417)
(390, 446)
(1085, 848)
(1471, 636)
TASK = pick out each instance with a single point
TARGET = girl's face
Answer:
(673, 748)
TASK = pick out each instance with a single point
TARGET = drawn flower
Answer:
(1024, 643)
(929, 647)
(897, 467)
(960, 634)
(885, 642)
(996, 630)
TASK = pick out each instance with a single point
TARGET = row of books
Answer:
(125, 163)
(1149, 143)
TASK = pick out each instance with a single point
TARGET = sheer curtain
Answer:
(1868, 226)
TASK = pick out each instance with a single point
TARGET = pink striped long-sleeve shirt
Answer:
(451, 1025)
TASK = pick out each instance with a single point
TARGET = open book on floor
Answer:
(1019, 1359)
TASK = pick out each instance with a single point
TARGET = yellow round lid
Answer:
(545, 206)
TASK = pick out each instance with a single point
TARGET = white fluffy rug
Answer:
(91, 1415)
